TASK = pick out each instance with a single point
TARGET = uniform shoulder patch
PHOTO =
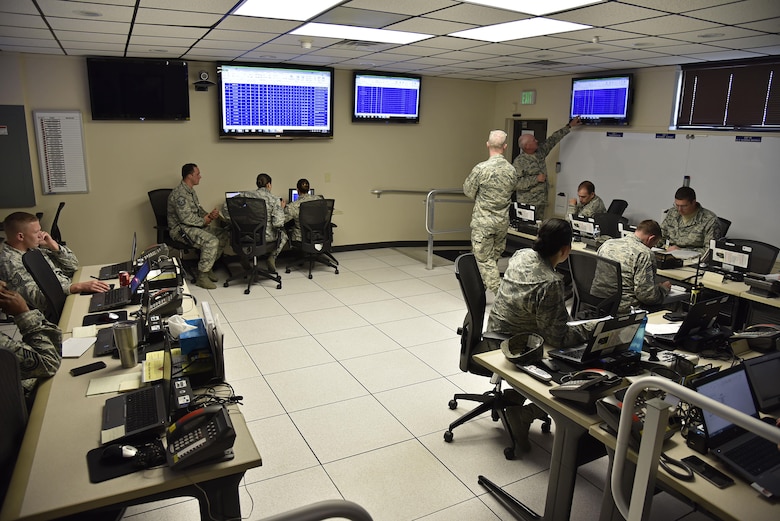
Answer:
(181, 201)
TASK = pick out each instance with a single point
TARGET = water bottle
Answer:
(596, 232)
(639, 337)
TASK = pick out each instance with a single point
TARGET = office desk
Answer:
(51, 478)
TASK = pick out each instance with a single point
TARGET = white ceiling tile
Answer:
(161, 42)
(665, 25)
(727, 55)
(97, 26)
(607, 14)
(238, 36)
(629, 54)
(22, 20)
(430, 26)
(91, 52)
(18, 7)
(676, 6)
(670, 60)
(198, 6)
(412, 7)
(24, 32)
(723, 33)
(217, 45)
(448, 42)
(28, 42)
(476, 14)
(263, 25)
(108, 13)
(72, 47)
(750, 42)
(774, 49)
(176, 18)
(212, 54)
(76, 36)
(739, 12)
(164, 30)
(32, 50)
(771, 25)
(432, 60)
(682, 49)
(359, 18)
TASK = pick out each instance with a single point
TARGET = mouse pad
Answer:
(102, 318)
(101, 470)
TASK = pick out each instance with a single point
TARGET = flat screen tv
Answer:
(138, 89)
(386, 97)
(603, 100)
(275, 101)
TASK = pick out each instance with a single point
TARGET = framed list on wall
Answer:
(60, 138)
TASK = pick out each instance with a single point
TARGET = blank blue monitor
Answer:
(294, 194)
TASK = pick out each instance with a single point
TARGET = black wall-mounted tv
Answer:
(602, 100)
(275, 101)
(138, 89)
(385, 97)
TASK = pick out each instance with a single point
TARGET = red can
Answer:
(124, 278)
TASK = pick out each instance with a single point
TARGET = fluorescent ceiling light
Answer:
(535, 7)
(521, 29)
(349, 32)
(298, 10)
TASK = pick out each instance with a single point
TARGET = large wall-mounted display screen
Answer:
(386, 97)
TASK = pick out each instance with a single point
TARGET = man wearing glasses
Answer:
(689, 226)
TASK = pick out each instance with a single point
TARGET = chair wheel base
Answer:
(225, 285)
(337, 271)
(309, 276)
(509, 453)
(246, 292)
(279, 286)
(448, 436)
(453, 404)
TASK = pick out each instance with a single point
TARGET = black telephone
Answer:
(587, 386)
(153, 253)
(165, 302)
(203, 435)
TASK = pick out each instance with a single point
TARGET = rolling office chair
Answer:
(763, 256)
(597, 283)
(55, 229)
(316, 234)
(47, 281)
(13, 410)
(248, 219)
(159, 201)
(617, 206)
(725, 224)
(472, 342)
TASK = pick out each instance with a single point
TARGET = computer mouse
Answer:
(113, 316)
(118, 453)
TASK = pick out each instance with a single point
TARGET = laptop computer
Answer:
(112, 270)
(610, 336)
(754, 458)
(763, 372)
(122, 296)
(700, 318)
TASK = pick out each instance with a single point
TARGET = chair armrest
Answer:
(495, 335)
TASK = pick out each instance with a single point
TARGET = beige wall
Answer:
(127, 159)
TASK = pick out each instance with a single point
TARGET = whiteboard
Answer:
(739, 181)
(60, 140)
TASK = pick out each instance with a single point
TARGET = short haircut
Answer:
(587, 185)
(685, 193)
(496, 139)
(263, 180)
(303, 186)
(553, 235)
(649, 227)
(187, 169)
(17, 221)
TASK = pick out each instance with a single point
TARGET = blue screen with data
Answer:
(601, 100)
(385, 98)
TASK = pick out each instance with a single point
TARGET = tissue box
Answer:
(194, 339)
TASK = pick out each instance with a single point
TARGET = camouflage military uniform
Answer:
(64, 264)
(490, 184)
(38, 351)
(531, 300)
(292, 213)
(595, 206)
(275, 216)
(186, 221)
(637, 269)
(695, 234)
(529, 190)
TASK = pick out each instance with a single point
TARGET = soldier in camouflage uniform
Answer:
(531, 165)
(490, 184)
(292, 210)
(38, 351)
(688, 225)
(637, 268)
(589, 203)
(23, 232)
(275, 220)
(191, 224)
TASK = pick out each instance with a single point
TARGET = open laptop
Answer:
(763, 372)
(112, 270)
(700, 317)
(754, 458)
(120, 297)
(610, 336)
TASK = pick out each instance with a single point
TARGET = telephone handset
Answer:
(153, 253)
(204, 434)
(587, 386)
(609, 408)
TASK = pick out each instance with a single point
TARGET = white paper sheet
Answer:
(75, 347)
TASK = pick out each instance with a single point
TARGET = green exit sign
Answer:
(528, 97)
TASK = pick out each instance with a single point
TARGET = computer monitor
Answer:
(230, 195)
(293, 192)
(626, 229)
(525, 212)
(762, 373)
(729, 257)
(582, 225)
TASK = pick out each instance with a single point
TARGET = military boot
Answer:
(271, 260)
(212, 276)
(203, 281)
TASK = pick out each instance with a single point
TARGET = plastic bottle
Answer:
(596, 232)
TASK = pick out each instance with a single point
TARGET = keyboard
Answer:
(140, 409)
(755, 457)
(115, 296)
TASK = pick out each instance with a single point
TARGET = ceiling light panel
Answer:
(535, 7)
(348, 32)
(520, 29)
(299, 10)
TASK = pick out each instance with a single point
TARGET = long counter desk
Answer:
(51, 477)
(738, 502)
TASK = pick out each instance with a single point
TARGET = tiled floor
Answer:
(346, 380)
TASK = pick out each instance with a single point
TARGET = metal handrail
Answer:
(653, 434)
(430, 202)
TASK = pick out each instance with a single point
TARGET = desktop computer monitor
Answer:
(728, 257)
(626, 229)
(230, 195)
(582, 226)
(525, 212)
(293, 192)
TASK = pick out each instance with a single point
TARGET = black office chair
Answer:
(316, 234)
(597, 285)
(159, 201)
(47, 281)
(762, 257)
(55, 229)
(13, 410)
(472, 342)
(725, 224)
(248, 219)
(608, 224)
(617, 206)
